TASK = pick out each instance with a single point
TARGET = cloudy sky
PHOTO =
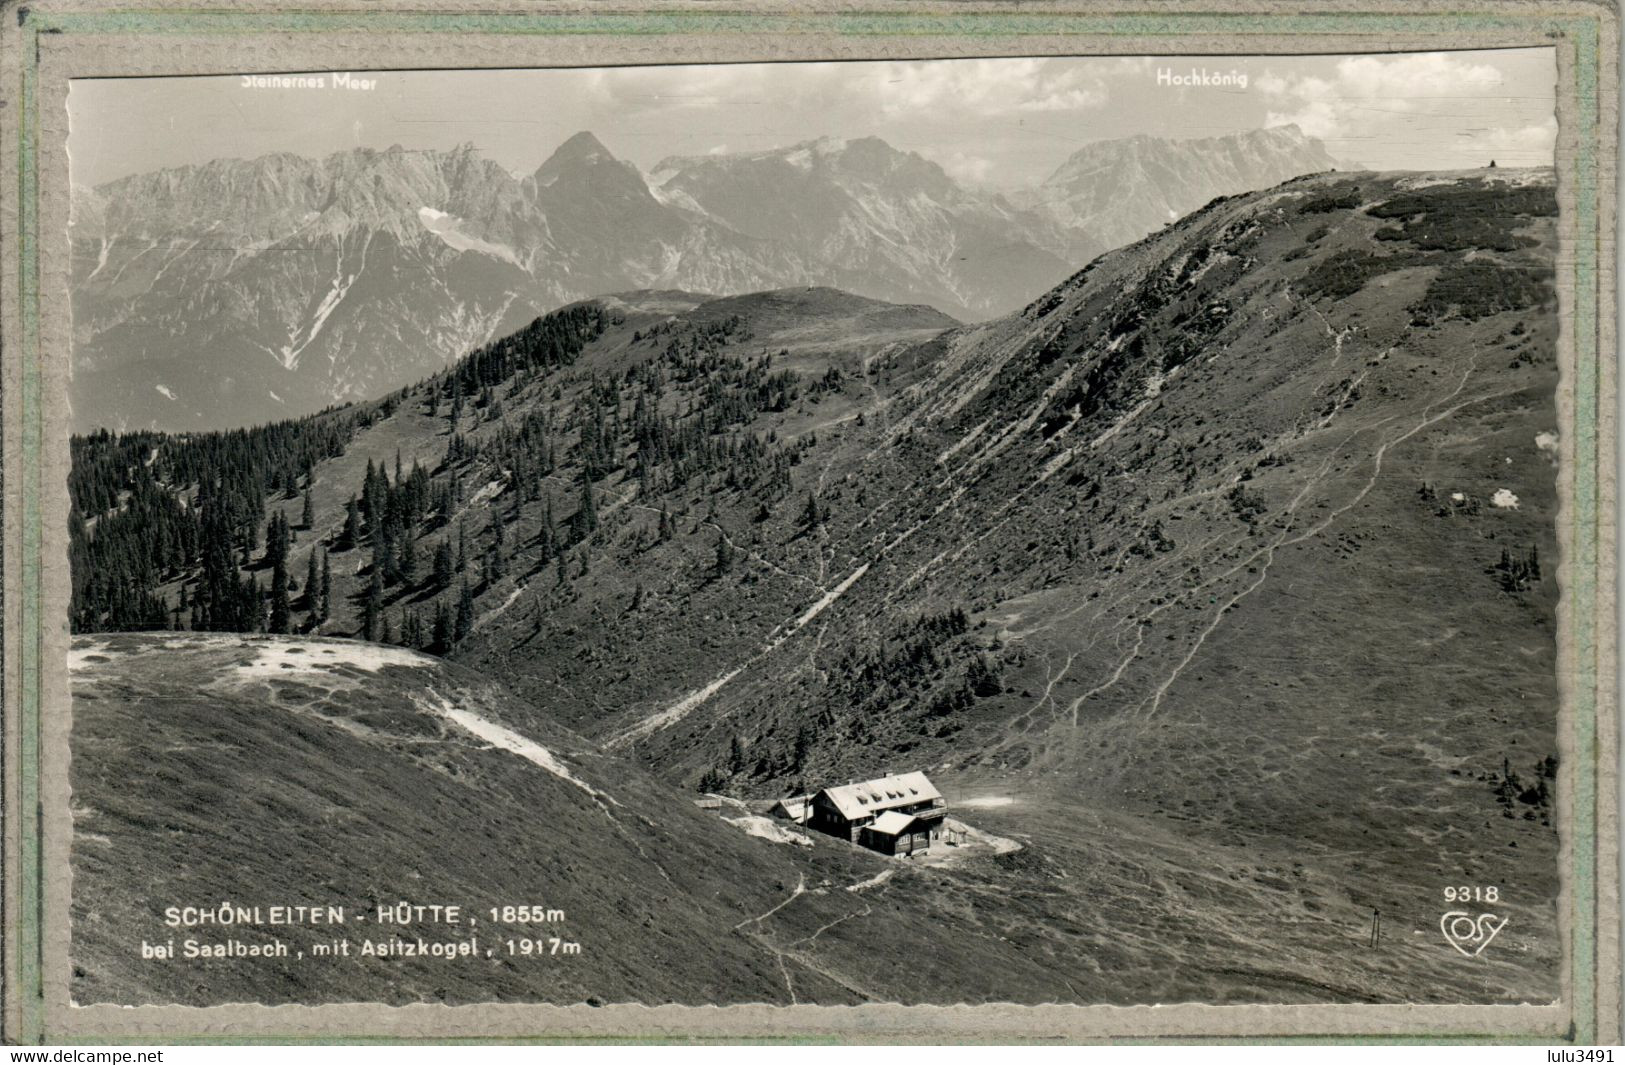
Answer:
(997, 122)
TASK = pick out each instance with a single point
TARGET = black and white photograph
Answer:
(1075, 530)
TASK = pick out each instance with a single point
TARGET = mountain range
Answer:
(1114, 192)
(1220, 577)
(242, 291)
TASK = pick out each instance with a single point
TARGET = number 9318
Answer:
(1489, 893)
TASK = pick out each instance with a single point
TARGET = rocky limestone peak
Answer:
(582, 149)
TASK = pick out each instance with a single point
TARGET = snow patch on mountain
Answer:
(448, 228)
(294, 347)
(101, 257)
(508, 740)
(668, 197)
(340, 288)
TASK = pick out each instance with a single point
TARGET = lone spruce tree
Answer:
(443, 566)
(351, 536)
(465, 613)
(327, 587)
(372, 606)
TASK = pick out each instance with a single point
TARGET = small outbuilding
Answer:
(796, 808)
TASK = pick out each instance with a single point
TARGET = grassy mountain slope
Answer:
(328, 772)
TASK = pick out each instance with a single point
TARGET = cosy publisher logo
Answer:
(1201, 78)
(1469, 934)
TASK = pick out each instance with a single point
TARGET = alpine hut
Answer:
(897, 814)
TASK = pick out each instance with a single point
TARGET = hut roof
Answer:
(892, 823)
(885, 793)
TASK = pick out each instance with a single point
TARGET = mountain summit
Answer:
(886, 223)
(1114, 192)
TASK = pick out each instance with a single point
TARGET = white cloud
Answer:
(1370, 105)
(967, 168)
(1364, 88)
(1533, 141)
(688, 88)
(1270, 84)
(989, 86)
(926, 89)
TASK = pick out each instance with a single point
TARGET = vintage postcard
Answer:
(543, 522)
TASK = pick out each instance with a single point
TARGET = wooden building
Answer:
(898, 833)
(894, 815)
(796, 808)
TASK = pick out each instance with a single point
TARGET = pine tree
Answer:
(812, 517)
(351, 536)
(252, 610)
(384, 561)
(547, 539)
(443, 566)
(407, 559)
(313, 581)
(495, 559)
(369, 498)
(307, 518)
(281, 608)
(442, 628)
(587, 514)
(372, 606)
(276, 540)
(725, 555)
(465, 614)
(327, 588)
